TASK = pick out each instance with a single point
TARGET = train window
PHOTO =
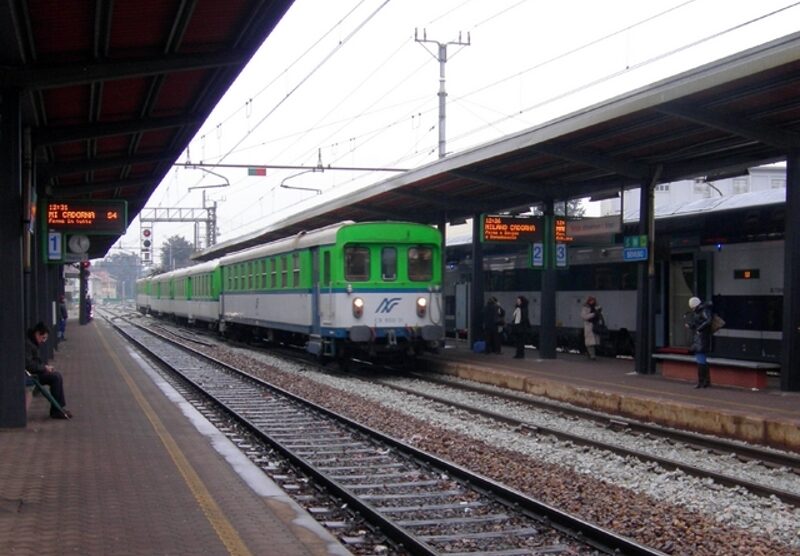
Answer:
(249, 276)
(389, 263)
(295, 270)
(284, 271)
(326, 268)
(356, 264)
(273, 264)
(263, 273)
(420, 264)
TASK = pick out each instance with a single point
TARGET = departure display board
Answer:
(88, 217)
(560, 232)
(511, 229)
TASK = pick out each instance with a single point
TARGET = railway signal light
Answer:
(147, 242)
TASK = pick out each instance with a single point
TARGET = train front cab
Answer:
(378, 297)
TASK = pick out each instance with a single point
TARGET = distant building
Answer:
(103, 286)
(762, 178)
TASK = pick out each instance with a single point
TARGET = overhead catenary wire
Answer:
(641, 64)
(358, 142)
(553, 59)
(308, 76)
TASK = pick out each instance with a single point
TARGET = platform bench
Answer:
(726, 372)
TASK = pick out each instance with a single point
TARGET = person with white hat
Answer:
(698, 320)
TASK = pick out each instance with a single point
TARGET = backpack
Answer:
(599, 327)
(717, 322)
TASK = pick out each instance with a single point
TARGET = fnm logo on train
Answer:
(387, 305)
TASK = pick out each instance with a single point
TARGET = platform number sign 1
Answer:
(55, 246)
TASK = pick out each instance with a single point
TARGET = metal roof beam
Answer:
(98, 187)
(64, 134)
(36, 77)
(515, 186)
(439, 200)
(738, 126)
(712, 167)
(416, 216)
(627, 168)
(52, 169)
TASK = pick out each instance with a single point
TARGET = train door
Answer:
(689, 276)
(325, 308)
(315, 291)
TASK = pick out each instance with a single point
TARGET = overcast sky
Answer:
(344, 83)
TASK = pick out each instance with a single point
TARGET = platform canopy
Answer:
(113, 92)
(714, 121)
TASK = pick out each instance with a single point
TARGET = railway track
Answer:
(720, 447)
(422, 503)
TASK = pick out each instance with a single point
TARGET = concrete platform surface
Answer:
(764, 416)
(136, 471)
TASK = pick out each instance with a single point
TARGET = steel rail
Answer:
(698, 441)
(579, 530)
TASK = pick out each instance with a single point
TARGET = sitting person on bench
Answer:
(45, 374)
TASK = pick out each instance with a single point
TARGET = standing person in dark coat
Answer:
(500, 323)
(45, 374)
(62, 317)
(698, 320)
(520, 324)
(490, 332)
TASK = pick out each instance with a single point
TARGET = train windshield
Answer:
(420, 264)
(389, 263)
(356, 264)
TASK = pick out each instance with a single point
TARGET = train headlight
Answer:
(422, 306)
(358, 307)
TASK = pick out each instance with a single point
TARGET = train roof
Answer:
(714, 204)
(322, 236)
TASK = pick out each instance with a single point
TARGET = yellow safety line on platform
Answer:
(224, 529)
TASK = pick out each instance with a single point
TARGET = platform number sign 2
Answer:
(537, 255)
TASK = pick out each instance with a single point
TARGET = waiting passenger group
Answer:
(494, 325)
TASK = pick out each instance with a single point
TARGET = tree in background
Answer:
(575, 208)
(125, 269)
(175, 253)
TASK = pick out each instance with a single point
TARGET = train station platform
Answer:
(137, 471)
(765, 416)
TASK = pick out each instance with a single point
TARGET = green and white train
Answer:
(347, 290)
